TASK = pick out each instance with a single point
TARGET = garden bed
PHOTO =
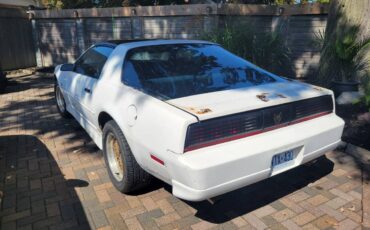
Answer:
(357, 128)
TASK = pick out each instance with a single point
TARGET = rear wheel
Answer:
(124, 172)
(61, 103)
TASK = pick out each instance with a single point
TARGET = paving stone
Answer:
(283, 215)
(269, 220)
(29, 220)
(133, 201)
(165, 206)
(202, 225)
(264, 211)
(339, 172)
(226, 226)
(353, 215)
(290, 225)
(38, 206)
(348, 187)
(239, 222)
(331, 212)
(309, 227)
(317, 200)
(16, 216)
(278, 205)
(312, 209)
(336, 203)
(149, 204)
(103, 196)
(168, 218)
(132, 212)
(325, 222)
(99, 219)
(23, 204)
(327, 185)
(299, 196)
(310, 191)
(254, 221)
(341, 194)
(182, 209)
(277, 226)
(105, 228)
(355, 195)
(53, 209)
(147, 219)
(67, 211)
(191, 220)
(347, 224)
(304, 218)
(8, 225)
(44, 224)
(291, 205)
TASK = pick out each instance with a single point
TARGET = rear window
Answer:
(180, 70)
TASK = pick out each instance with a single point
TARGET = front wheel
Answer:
(124, 172)
(61, 103)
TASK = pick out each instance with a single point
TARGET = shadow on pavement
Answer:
(250, 198)
(33, 190)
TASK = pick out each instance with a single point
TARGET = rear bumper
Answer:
(214, 170)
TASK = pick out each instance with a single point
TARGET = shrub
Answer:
(265, 49)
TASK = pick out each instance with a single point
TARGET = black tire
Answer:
(63, 111)
(134, 177)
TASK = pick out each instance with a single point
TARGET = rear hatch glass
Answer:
(181, 70)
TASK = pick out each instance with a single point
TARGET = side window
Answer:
(130, 76)
(92, 62)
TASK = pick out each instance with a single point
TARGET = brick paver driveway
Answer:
(53, 176)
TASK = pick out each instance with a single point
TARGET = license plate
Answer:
(282, 158)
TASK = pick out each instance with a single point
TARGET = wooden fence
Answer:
(16, 40)
(61, 35)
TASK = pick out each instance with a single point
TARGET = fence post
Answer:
(210, 21)
(36, 40)
(80, 33)
(136, 25)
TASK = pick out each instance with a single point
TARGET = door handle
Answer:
(87, 90)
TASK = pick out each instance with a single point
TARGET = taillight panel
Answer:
(236, 126)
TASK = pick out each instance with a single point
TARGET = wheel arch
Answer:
(103, 118)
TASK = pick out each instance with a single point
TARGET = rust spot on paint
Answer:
(203, 111)
(198, 111)
(317, 88)
(280, 95)
(262, 97)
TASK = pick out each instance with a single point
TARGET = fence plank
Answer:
(64, 34)
(16, 46)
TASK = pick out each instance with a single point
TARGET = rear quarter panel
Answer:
(151, 126)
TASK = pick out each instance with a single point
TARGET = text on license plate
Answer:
(282, 158)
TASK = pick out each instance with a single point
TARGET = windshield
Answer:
(180, 70)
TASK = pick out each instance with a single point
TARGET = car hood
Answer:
(221, 103)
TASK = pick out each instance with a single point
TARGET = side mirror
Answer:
(67, 67)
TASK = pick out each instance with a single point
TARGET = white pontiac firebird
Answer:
(193, 115)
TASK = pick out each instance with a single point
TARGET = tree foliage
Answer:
(267, 50)
(346, 43)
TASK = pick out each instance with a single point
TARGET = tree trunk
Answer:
(343, 14)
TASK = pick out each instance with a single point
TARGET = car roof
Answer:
(146, 42)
